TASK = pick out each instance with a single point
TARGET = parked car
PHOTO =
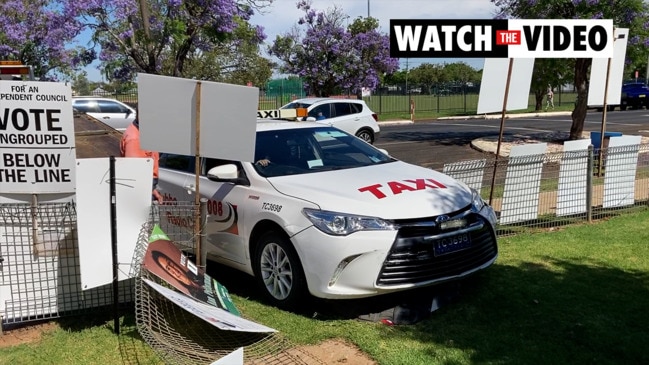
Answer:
(112, 112)
(351, 115)
(326, 214)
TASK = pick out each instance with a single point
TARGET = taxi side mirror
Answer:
(227, 173)
(223, 172)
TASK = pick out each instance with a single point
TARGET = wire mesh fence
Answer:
(180, 337)
(532, 192)
(39, 265)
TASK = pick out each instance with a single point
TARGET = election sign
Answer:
(494, 84)
(597, 85)
(489, 38)
(217, 317)
(37, 140)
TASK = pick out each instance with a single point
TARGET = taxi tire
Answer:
(284, 286)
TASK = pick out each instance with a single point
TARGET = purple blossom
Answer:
(48, 30)
(331, 60)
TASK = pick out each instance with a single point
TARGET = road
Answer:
(434, 143)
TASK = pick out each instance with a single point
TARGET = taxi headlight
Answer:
(342, 224)
(477, 203)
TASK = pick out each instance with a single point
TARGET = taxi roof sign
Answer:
(15, 68)
(282, 113)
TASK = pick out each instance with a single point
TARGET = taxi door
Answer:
(222, 230)
(176, 176)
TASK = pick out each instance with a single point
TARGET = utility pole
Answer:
(368, 8)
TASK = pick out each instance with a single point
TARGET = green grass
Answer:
(431, 106)
(427, 115)
(577, 295)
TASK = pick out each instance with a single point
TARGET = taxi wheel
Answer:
(278, 271)
(365, 135)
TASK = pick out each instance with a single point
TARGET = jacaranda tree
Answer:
(332, 59)
(632, 14)
(151, 36)
(40, 35)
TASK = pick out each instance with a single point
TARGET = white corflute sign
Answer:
(494, 82)
(37, 144)
(233, 358)
(133, 186)
(597, 82)
(573, 174)
(522, 183)
(168, 115)
(620, 170)
(217, 317)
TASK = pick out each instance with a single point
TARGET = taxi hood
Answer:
(394, 190)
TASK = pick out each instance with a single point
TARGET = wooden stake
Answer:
(502, 128)
(197, 173)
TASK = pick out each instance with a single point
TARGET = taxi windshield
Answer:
(310, 150)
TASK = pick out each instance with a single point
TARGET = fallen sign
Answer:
(282, 113)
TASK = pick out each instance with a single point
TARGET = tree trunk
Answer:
(538, 98)
(582, 66)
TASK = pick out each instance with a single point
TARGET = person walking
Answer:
(130, 147)
(550, 98)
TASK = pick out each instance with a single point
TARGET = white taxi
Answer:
(322, 212)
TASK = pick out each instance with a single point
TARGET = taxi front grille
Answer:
(412, 259)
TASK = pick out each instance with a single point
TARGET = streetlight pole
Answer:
(368, 8)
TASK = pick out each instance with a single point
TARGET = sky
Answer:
(282, 15)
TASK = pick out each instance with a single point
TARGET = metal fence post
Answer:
(464, 94)
(589, 183)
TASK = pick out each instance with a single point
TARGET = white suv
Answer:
(111, 112)
(328, 214)
(351, 115)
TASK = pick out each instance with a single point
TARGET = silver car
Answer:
(111, 112)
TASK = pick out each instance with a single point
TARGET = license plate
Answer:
(451, 244)
(642, 96)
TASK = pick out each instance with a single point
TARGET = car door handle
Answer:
(106, 117)
(190, 188)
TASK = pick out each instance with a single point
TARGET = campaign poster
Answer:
(217, 317)
(37, 143)
(164, 260)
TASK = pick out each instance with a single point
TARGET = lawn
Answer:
(575, 295)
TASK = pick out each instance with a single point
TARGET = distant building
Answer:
(99, 91)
